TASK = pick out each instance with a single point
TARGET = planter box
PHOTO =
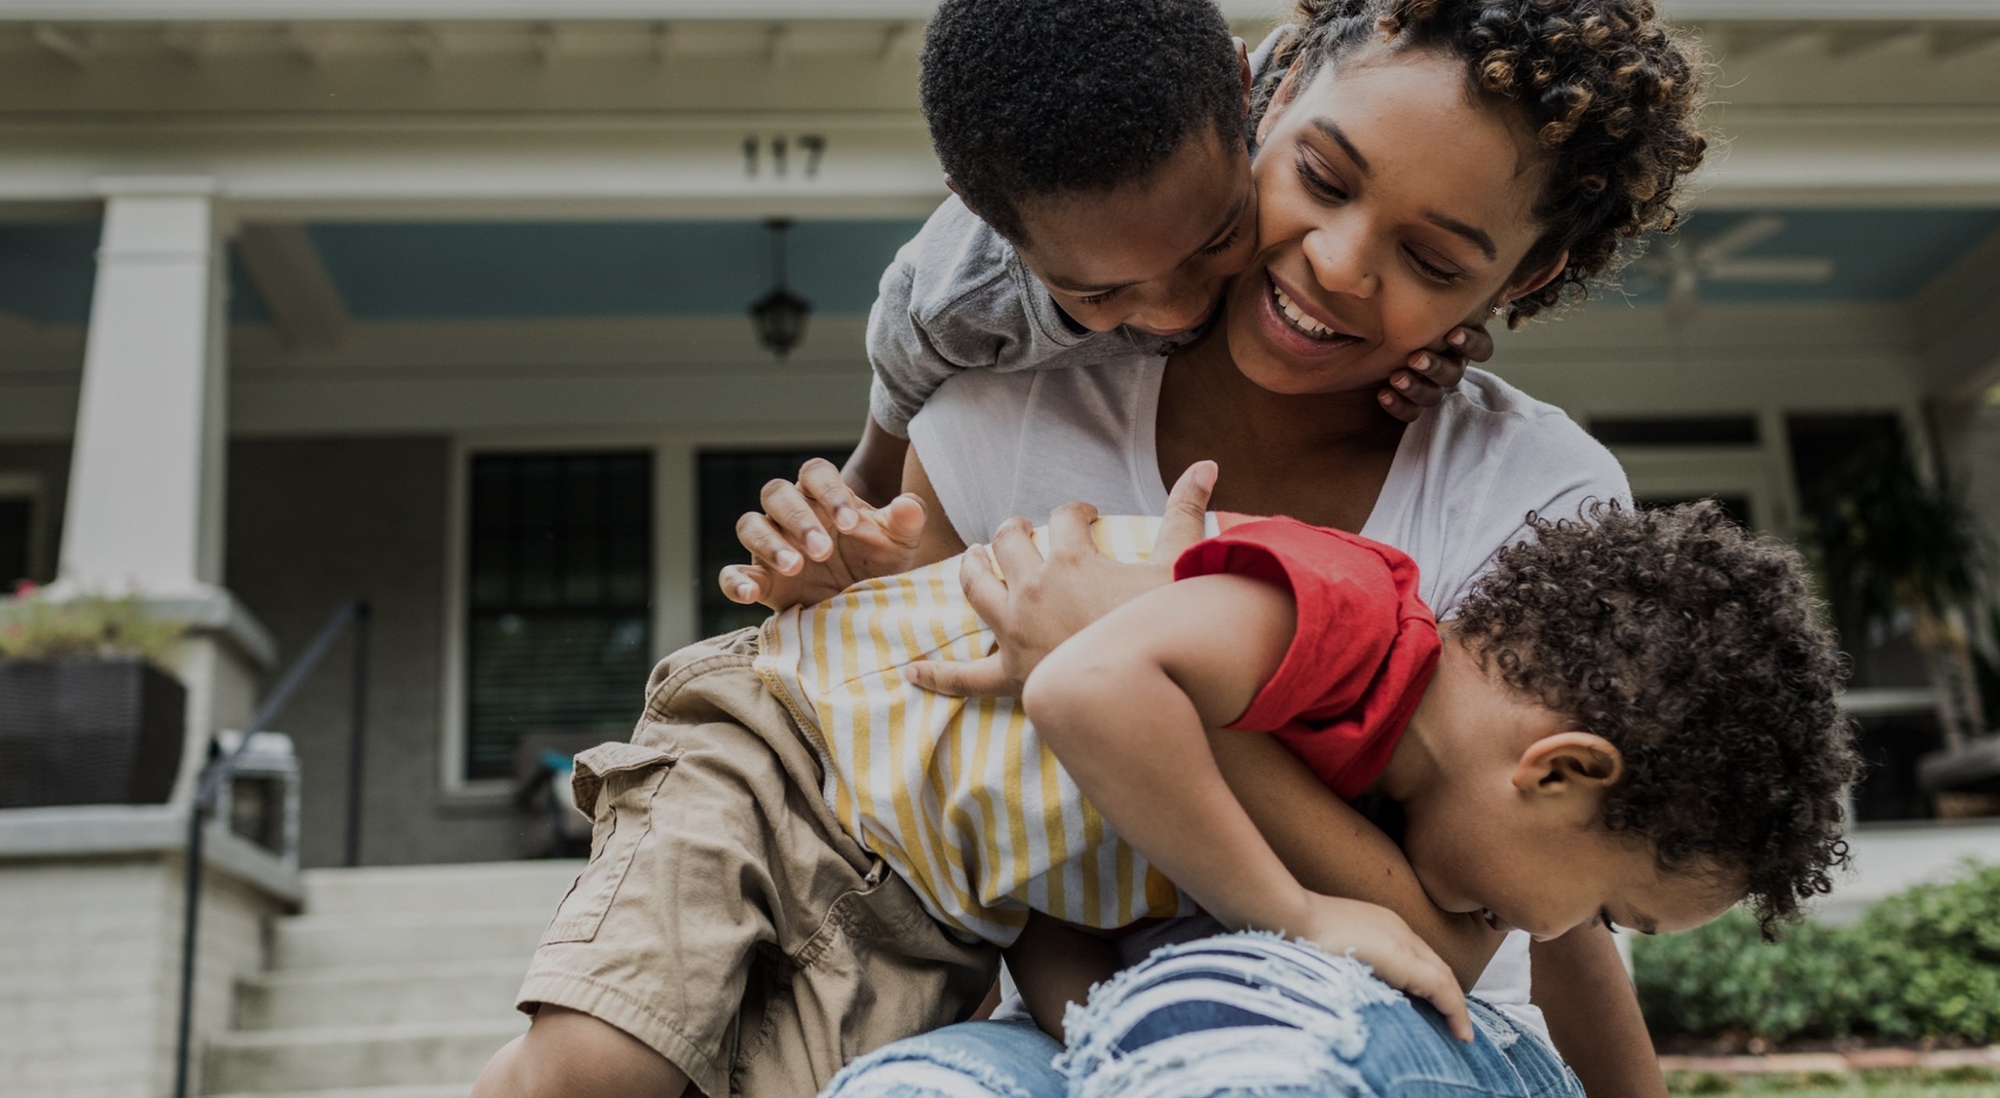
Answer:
(89, 732)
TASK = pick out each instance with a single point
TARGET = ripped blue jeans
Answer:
(1244, 1015)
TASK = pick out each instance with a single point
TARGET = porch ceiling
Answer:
(403, 271)
(313, 34)
(820, 10)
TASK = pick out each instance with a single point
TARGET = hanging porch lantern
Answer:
(780, 316)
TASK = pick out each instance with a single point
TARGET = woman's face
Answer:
(1391, 208)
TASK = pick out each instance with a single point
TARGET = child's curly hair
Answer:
(1611, 93)
(1698, 650)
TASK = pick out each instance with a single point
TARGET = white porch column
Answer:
(145, 489)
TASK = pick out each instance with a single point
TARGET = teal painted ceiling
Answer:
(499, 270)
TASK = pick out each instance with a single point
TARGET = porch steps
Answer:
(393, 982)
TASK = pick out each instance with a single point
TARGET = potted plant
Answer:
(88, 713)
(1897, 547)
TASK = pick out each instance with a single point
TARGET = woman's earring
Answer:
(1500, 310)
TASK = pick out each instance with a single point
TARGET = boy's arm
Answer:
(1585, 993)
(875, 470)
(1055, 964)
(1332, 848)
(1188, 657)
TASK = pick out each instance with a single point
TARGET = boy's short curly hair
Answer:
(1612, 95)
(1027, 98)
(1699, 651)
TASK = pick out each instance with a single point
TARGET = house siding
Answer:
(312, 524)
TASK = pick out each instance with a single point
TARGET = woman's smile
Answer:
(1307, 317)
(1298, 326)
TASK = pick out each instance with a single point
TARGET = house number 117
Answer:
(808, 148)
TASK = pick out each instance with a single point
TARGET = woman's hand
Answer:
(1434, 371)
(815, 537)
(1381, 938)
(1032, 604)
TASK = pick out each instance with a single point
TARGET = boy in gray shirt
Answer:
(1102, 199)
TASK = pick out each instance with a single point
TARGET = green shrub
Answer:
(1932, 959)
(1923, 963)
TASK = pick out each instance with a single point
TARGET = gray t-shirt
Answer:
(958, 298)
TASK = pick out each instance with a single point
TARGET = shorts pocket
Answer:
(617, 782)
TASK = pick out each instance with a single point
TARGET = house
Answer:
(443, 304)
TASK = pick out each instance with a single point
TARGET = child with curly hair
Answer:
(1631, 722)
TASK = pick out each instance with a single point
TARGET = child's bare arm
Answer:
(875, 470)
(1332, 848)
(1055, 964)
(1125, 705)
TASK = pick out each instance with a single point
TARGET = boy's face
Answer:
(1511, 827)
(1153, 254)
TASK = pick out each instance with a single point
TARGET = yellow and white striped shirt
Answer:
(957, 795)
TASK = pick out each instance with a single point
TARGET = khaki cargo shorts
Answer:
(725, 919)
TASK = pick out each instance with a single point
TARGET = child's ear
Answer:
(1243, 64)
(1569, 762)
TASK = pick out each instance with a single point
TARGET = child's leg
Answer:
(577, 1056)
(724, 923)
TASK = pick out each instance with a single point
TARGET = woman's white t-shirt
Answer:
(1464, 480)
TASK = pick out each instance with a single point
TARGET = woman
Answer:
(1549, 134)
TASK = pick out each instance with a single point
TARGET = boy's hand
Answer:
(1434, 371)
(1381, 938)
(815, 537)
(1039, 603)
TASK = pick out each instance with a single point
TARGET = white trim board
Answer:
(575, 165)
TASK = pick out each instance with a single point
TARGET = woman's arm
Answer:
(1585, 993)
(1189, 657)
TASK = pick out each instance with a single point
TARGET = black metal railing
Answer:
(218, 773)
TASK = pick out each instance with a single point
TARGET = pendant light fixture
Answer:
(780, 316)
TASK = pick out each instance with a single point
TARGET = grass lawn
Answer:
(1967, 1084)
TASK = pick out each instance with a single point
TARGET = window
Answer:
(16, 528)
(1890, 688)
(1675, 430)
(730, 484)
(559, 629)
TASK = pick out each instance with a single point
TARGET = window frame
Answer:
(676, 554)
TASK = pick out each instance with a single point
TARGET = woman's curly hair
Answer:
(1699, 651)
(1612, 95)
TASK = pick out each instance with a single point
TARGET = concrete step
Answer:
(448, 991)
(282, 1060)
(373, 940)
(468, 887)
(442, 1090)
